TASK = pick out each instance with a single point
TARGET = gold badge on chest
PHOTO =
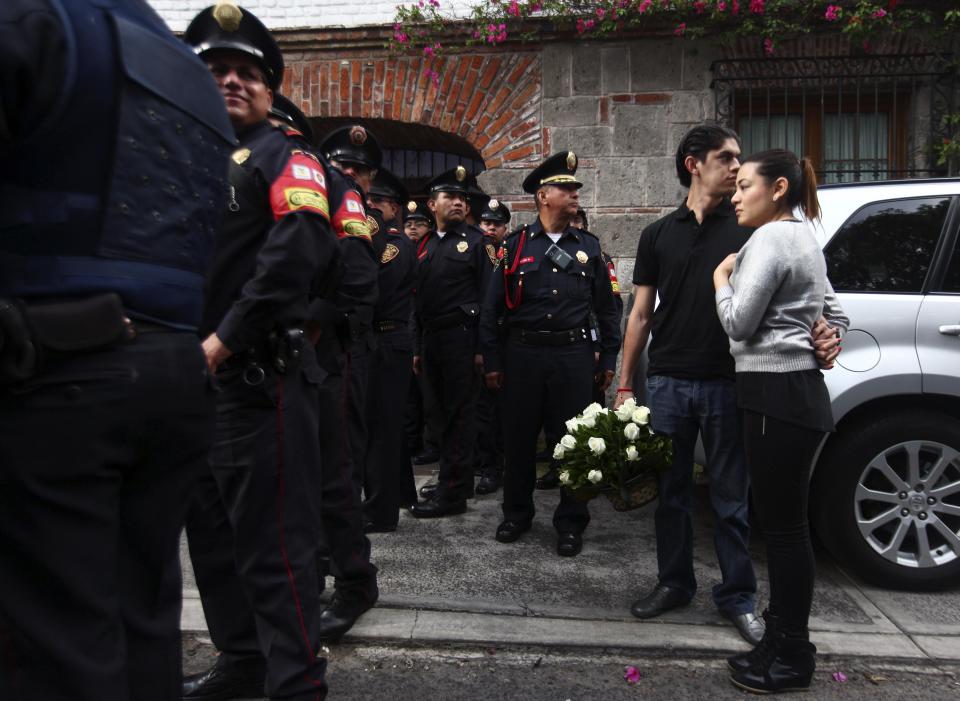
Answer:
(582, 257)
(463, 246)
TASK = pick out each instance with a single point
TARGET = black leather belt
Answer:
(550, 338)
(387, 326)
(447, 321)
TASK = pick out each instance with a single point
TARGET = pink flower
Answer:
(768, 46)
(833, 13)
(839, 677)
(681, 28)
(735, 7)
(600, 13)
(433, 76)
(428, 51)
(756, 7)
(879, 14)
(631, 675)
(699, 7)
(514, 8)
(721, 5)
(644, 6)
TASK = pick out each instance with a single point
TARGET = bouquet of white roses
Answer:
(613, 452)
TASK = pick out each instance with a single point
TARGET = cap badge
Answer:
(571, 160)
(240, 156)
(228, 16)
(358, 135)
(461, 174)
(411, 206)
(582, 256)
(493, 203)
(462, 247)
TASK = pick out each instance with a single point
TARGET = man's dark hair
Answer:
(698, 142)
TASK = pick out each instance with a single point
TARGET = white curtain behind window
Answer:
(868, 161)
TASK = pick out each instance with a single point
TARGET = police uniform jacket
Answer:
(397, 256)
(531, 292)
(452, 278)
(275, 240)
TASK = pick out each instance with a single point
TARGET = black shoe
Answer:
(371, 527)
(225, 681)
(425, 459)
(435, 508)
(550, 480)
(339, 617)
(428, 490)
(660, 600)
(509, 531)
(742, 661)
(748, 625)
(569, 544)
(488, 485)
(787, 664)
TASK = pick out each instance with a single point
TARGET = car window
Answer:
(951, 281)
(886, 246)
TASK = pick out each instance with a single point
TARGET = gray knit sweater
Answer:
(777, 291)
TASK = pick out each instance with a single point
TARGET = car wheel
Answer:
(887, 500)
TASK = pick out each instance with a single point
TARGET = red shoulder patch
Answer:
(301, 186)
(350, 219)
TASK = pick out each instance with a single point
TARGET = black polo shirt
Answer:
(677, 255)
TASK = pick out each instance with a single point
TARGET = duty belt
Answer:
(447, 321)
(550, 338)
(387, 325)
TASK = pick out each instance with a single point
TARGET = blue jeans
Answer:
(681, 408)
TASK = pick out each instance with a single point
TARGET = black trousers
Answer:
(388, 478)
(355, 368)
(489, 434)
(342, 540)
(542, 386)
(778, 456)
(450, 386)
(98, 455)
(265, 462)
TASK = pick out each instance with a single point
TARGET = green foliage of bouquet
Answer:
(613, 452)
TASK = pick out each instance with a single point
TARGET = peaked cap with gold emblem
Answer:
(495, 211)
(558, 169)
(227, 27)
(417, 210)
(457, 180)
(353, 144)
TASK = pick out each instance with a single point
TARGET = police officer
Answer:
(553, 279)
(417, 220)
(494, 219)
(453, 270)
(274, 245)
(111, 195)
(388, 478)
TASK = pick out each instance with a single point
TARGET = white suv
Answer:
(886, 486)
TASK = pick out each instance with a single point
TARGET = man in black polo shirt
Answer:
(690, 386)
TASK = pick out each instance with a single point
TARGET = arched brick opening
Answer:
(491, 100)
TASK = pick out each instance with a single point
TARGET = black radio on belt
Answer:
(559, 257)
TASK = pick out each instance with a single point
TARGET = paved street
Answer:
(462, 613)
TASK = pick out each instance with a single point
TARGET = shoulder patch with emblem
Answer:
(389, 253)
(614, 283)
(350, 218)
(301, 186)
(492, 253)
(372, 224)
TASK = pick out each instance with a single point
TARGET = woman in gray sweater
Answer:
(769, 297)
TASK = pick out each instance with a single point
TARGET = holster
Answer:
(286, 349)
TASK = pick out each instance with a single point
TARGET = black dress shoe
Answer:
(225, 681)
(550, 480)
(569, 544)
(748, 625)
(338, 618)
(509, 531)
(660, 600)
(435, 508)
(371, 527)
(429, 489)
(425, 459)
(488, 485)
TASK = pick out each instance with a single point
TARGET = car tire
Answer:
(870, 518)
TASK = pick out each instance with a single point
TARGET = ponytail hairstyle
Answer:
(800, 176)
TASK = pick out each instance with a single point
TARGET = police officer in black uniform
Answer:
(114, 145)
(388, 479)
(274, 247)
(453, 271)
(494, 219)
(417, 220)
(553, 280)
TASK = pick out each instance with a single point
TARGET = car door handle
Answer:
(950, 330)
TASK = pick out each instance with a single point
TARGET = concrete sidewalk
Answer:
(448, 581)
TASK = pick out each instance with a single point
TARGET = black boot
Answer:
(741, 662)
(226, 681)
(787, 664)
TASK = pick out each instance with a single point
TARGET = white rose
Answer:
(596, 445)
(604, 411)
(592, 410)
(573, 424)
(588, 421)
(594, 476)
(626, 410)
(641, 415)
(568, 442)
(558, 452)
(565, 477)
(632, 454)
(631, 431)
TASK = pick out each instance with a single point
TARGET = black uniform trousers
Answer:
(98, 455)
(342, 540)
(450, 387)
(388, 477)
(542, 385)
(265, 461)
(489, 434)
(356, 373)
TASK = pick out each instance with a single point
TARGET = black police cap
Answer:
(495, 211)
(388, 186)
(291, 114)
(225, 26)
(558, 169)
(454, 180)
(353, 144)
(414, 210)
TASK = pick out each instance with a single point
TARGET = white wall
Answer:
(282, 14)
